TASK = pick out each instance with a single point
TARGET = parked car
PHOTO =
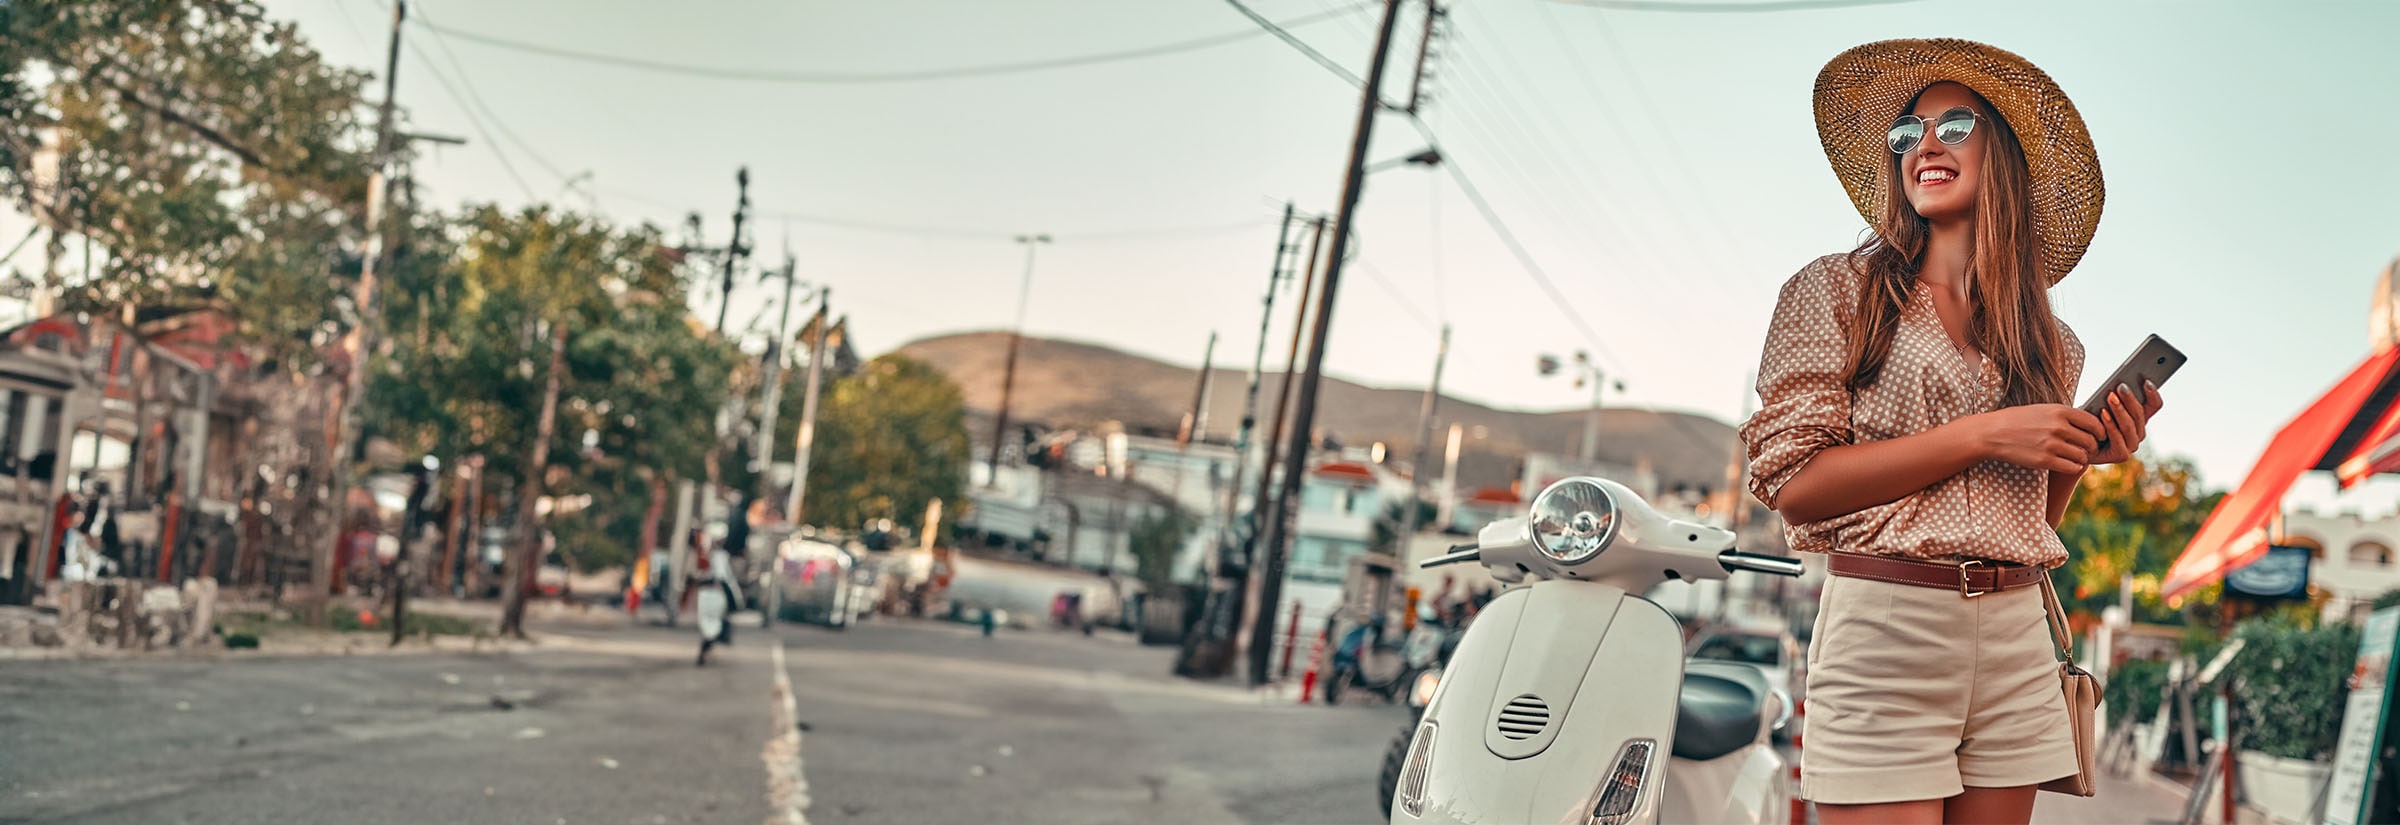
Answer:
(816, 582)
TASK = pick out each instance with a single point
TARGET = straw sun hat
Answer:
(1864, 89)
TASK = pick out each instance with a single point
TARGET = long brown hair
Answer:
(2012, 321)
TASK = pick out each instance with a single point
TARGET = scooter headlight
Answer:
(1574, 520)
(1420, 694)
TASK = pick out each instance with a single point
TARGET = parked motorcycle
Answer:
(1570, 700)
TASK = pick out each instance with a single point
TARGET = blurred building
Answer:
(2350, 558)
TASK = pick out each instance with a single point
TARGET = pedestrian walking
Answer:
(711, 581)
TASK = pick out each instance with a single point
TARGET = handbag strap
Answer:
(2058, 619)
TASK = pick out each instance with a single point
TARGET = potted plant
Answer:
(2289, 685)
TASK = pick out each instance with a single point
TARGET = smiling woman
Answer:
(1913, 427)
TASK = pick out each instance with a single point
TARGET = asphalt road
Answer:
(902, 722)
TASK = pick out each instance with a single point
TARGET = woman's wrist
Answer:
(1966, 437)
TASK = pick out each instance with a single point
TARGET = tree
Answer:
(209, 153)
(1387, 538)
(1157, 540)
(890, 440)
(563, 350)
(2131, 519)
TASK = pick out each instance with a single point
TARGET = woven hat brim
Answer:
(1863, 90)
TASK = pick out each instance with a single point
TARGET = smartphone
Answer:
(2154, 361)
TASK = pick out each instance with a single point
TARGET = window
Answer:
(2370, 554)
(1314, 497)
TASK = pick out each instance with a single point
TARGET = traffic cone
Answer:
(1308, 680)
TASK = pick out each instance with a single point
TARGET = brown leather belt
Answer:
(1971, 578)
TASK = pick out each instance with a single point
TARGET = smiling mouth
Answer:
(1935, 176)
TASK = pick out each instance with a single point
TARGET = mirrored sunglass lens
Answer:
(1905, 134)
(1955, 128)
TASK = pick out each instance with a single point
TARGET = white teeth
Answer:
(1931, 175)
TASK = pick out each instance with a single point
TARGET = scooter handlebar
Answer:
(1459, 554)
(1758, 563)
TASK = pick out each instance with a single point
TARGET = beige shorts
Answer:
(1917, 693)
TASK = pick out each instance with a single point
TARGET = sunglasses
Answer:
(1951, 128)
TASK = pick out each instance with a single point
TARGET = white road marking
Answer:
(787, 788)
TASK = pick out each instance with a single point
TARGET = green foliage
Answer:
(470, 354)
(1386, 538)
(586, 543)
(209, 153)
(2390, 598)
(2132, 519)
(889, 441)
(2134, 690)
(1157, 539)
(2290, 684)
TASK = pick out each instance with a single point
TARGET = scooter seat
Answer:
(1720, 710)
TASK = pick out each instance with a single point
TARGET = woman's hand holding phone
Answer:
(2126, 422)
(2053, 437)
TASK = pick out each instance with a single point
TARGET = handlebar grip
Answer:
(1459, 554)
(1760, 563)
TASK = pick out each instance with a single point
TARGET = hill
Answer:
(1072, 384)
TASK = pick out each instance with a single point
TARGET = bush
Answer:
(2290, 684)
(2134, 691)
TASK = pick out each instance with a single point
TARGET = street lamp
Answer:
(1008, 374)
(1429, 156)
(1587, 372)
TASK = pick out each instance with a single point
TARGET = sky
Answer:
(1661, 167)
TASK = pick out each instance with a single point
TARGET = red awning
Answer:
(2323, 437)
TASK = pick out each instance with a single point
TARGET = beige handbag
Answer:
(2083, 702)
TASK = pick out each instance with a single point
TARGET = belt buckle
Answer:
(1964, 590)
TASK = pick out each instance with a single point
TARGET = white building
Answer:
(2351, 557)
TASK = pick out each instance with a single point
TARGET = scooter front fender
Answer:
(1597, 668)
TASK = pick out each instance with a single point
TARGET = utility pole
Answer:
(694, 501)
(1416, 469)
(1008, 374)
(1207, 649)
(734, 250)
(1264, 510)
(763, 446)
(1444, 509)
(1198, 417)
(807, 435)
(1296, 460)
(359, 343)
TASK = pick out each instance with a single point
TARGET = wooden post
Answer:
(450, 536)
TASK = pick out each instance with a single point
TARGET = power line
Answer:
(1714, 7)
(1525, 259)
(1336, 68)
(1641, 93)
(472, 120)
(964, 233)
(908, 76)
(476, 97)
(1405, 304)
(1449, 163)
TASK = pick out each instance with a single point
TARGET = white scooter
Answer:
(1570, 701)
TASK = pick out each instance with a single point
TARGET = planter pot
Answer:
(2285, 788)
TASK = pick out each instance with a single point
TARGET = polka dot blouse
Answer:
(1994, 511)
